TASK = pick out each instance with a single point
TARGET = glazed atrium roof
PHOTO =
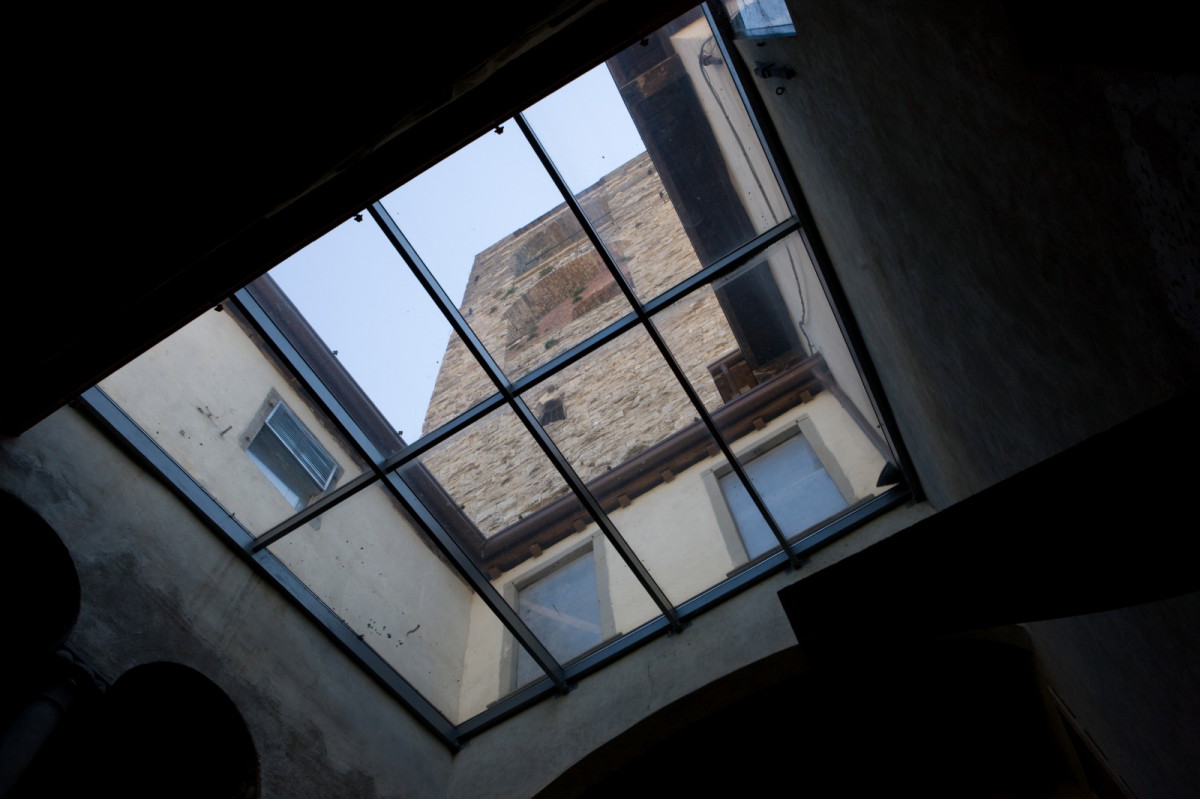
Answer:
(560, 393)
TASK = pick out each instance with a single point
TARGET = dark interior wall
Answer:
(1130, 677)
(156, 585)
(976, 206)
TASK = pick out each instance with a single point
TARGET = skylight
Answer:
(559, 393)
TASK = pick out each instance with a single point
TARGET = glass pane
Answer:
(205, 395)
(563, 610)
(369, 563)
(660, 152)
(764, 351)
(630, 431)
(361, 320)
(795, 486)
(493, 488)
(759, 19)
(493, 229)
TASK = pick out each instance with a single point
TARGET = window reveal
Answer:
(291, 458)
(795, 486)
(553, 411)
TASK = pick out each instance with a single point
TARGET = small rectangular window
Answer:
(562, 608)
(793, 483)
(291, 457)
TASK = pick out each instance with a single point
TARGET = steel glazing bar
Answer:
(329, 402)
(722, 266)
(104, 410)
(856, 516)
(429, 525)
(685, 287)
(593, 506)
(764, 568)
(575, 353)
(434, 437)
(267, 328)
(491, 597)
(108, 414)
(648, 325)
(690, 609)
(342, 633)
(310, 512)
(439, 296)
(532, 425)
(478, 580)
(794, 195)
(509, 707)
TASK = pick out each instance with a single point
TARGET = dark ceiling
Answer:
(171, 161)
(189, 161)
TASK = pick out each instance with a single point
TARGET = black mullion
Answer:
(300, 518)
(442, 300)
(796, 199)
(648, 325)
(574, 354)
(560, 463)
(408, 497)
(309, 381)
(103, 409)
(329, 404)
(590, 502)
(448, 430)
(723, 266)
(478, 581)
(411, 503)
(717, 269)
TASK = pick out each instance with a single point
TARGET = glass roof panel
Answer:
(778, 369)
(222, 406)
(375, 324)
(631, 433)
(663, 160)
(661, 155)
(494, 231)
(369, 563)
(495, 490)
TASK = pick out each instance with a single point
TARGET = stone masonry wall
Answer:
(544, 289)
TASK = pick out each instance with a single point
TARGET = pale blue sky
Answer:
(359, 295)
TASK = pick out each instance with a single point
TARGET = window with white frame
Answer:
(561, 605)
(291, 457)
(794, 484)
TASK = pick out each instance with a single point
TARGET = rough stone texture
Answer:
(544, 289)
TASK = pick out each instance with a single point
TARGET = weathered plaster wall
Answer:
(158, 585)
(200, 393)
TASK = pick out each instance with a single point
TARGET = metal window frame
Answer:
(306, 461)
(385, 470)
